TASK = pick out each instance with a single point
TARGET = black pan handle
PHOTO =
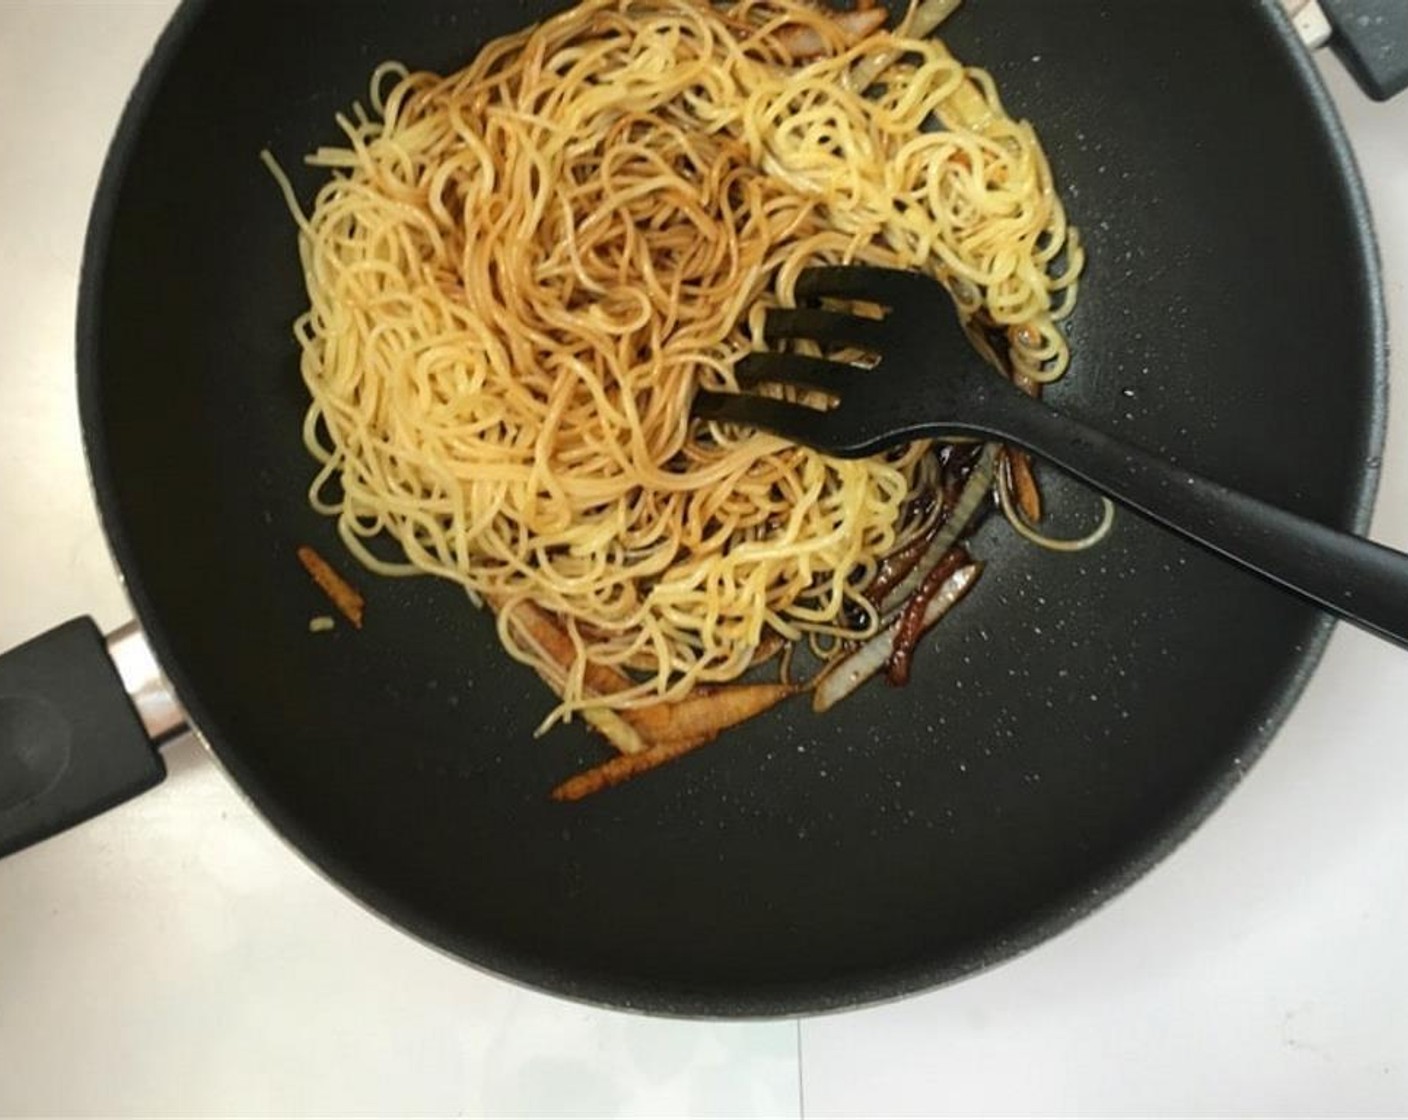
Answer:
(80, 720)
(1371, 38)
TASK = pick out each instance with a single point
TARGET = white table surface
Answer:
(175, 957)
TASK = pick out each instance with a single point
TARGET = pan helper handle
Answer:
(80, 720)
(1370, 36)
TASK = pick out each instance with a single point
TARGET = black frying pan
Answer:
(1076, 718)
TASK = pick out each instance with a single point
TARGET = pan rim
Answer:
(848, 993)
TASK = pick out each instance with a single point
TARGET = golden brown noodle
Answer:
(520, 273)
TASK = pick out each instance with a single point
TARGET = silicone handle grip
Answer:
(1371, 36)
(71, 744)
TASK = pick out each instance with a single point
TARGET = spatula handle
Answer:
(1363, 582)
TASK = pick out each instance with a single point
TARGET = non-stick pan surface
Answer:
(1073, 720)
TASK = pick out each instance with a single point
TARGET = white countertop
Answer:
(175, 957)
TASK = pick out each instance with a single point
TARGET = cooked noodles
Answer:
(520, 273)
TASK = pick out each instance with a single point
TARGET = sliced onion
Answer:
(842, 677)
(926, 18)
(928, 15)
(802, 42)
(974, 491)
